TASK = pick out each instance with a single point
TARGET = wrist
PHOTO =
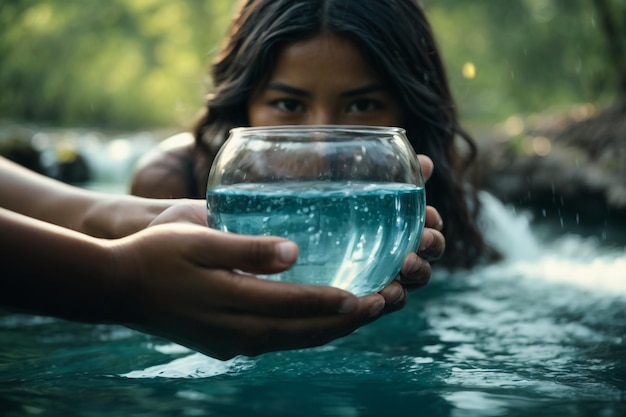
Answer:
(118, 275)
(117, 216)
(53, 271)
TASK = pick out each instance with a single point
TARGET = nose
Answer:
(322, 116)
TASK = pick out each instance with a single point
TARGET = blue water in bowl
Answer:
(540, 334)
(351, 235)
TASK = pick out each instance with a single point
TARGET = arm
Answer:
(46, 269)
(177, 281)
(89, 212)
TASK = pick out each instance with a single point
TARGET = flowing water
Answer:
(540, 334)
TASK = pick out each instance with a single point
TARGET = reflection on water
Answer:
(540, 334)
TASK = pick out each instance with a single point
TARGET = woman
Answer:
(369, 62)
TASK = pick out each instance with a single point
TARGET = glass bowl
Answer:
(351, 197)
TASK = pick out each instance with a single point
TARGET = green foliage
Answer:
(142, 63)
(120, 63)
(529, 55)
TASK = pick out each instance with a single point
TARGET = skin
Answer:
(323, 81)
(161, 270)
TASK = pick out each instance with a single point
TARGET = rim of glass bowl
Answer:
(293, 132)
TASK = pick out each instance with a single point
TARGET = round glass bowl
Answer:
(351, 197)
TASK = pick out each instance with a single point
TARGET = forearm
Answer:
(89, 212)
(115, 216)
(49, 270)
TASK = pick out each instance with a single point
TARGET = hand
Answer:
(183, 211)
(181, 282)
(416, 270)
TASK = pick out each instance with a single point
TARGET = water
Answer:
(540, 334)
(351, 235)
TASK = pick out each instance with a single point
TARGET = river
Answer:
(542, 333)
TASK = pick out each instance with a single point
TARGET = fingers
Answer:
(427, 166)
(220, 256)
(433, 219)
(432, 243)
(257, 335)
(395, 296)
(284, 299)
(415, 272)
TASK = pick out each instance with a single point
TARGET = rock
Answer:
(577, 162)
(17, 147)
(61, 161)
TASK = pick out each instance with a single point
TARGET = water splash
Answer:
(507, 229)
(569, 258)
(195, 365)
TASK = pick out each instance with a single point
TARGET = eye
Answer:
(363, 105)
(288, 105)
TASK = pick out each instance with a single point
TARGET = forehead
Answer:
(325, 56)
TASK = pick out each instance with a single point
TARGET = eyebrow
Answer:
(303, 93)
(288, 89)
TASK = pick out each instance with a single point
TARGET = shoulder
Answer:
(163, 172)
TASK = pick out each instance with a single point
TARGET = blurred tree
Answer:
(612, 16)
(117, 62)
(528, 55)
(142, 63)
(558, 52)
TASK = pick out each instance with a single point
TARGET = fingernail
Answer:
(377, 307)
(348, 305)
(287, 252)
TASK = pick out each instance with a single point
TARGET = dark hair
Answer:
(396, 40)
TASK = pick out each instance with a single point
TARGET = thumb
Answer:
(253, 254)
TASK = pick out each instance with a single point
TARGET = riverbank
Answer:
(572, 164)
(79, 156)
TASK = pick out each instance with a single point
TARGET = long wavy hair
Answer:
(395, 38)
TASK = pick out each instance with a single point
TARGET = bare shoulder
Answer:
(162, 172)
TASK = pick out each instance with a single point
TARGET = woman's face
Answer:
(323, 80)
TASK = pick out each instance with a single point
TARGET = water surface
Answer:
(540, 334)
